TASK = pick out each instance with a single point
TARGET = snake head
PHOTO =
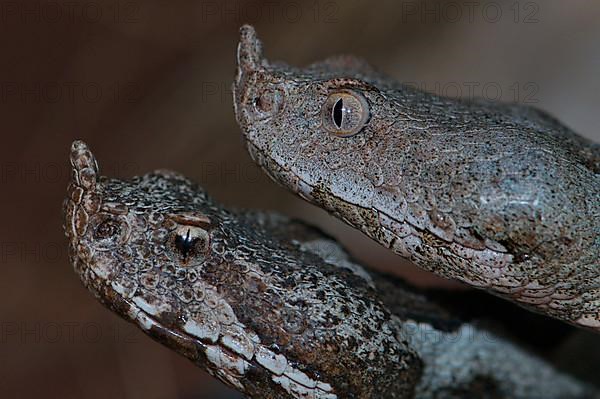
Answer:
(223, 289)
(495, 195)
(112, 225)
(303, 125)
(139, 246)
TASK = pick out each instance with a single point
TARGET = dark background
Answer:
(146, 85)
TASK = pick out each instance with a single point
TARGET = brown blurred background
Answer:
(146, 85)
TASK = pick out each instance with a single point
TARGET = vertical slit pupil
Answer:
(338, 113)
(185, 244)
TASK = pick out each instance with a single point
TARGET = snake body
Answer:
(500, 196)
(274, 308)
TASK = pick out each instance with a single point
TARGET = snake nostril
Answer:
(268, 103)
(107, 229)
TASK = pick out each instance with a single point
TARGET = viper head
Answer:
(226, 290)
(147, 248)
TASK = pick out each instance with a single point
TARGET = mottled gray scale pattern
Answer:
(500, 196)
(254, 309)
(273, 307)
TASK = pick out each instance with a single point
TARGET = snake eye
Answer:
(190, 241)
(345, 113)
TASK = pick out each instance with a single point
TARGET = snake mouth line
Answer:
(288, 179)
(494, 262)
(117, 302)
(284, 177)
(193, 348)
(219, 360)
(486, 268)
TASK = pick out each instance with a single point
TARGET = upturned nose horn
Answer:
(249, 51)
(84, 166)
(249, 60)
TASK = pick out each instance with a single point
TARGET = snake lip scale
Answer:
(502, 197)
(273, 307)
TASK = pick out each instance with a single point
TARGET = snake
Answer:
(275, 308)
(500, 196)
